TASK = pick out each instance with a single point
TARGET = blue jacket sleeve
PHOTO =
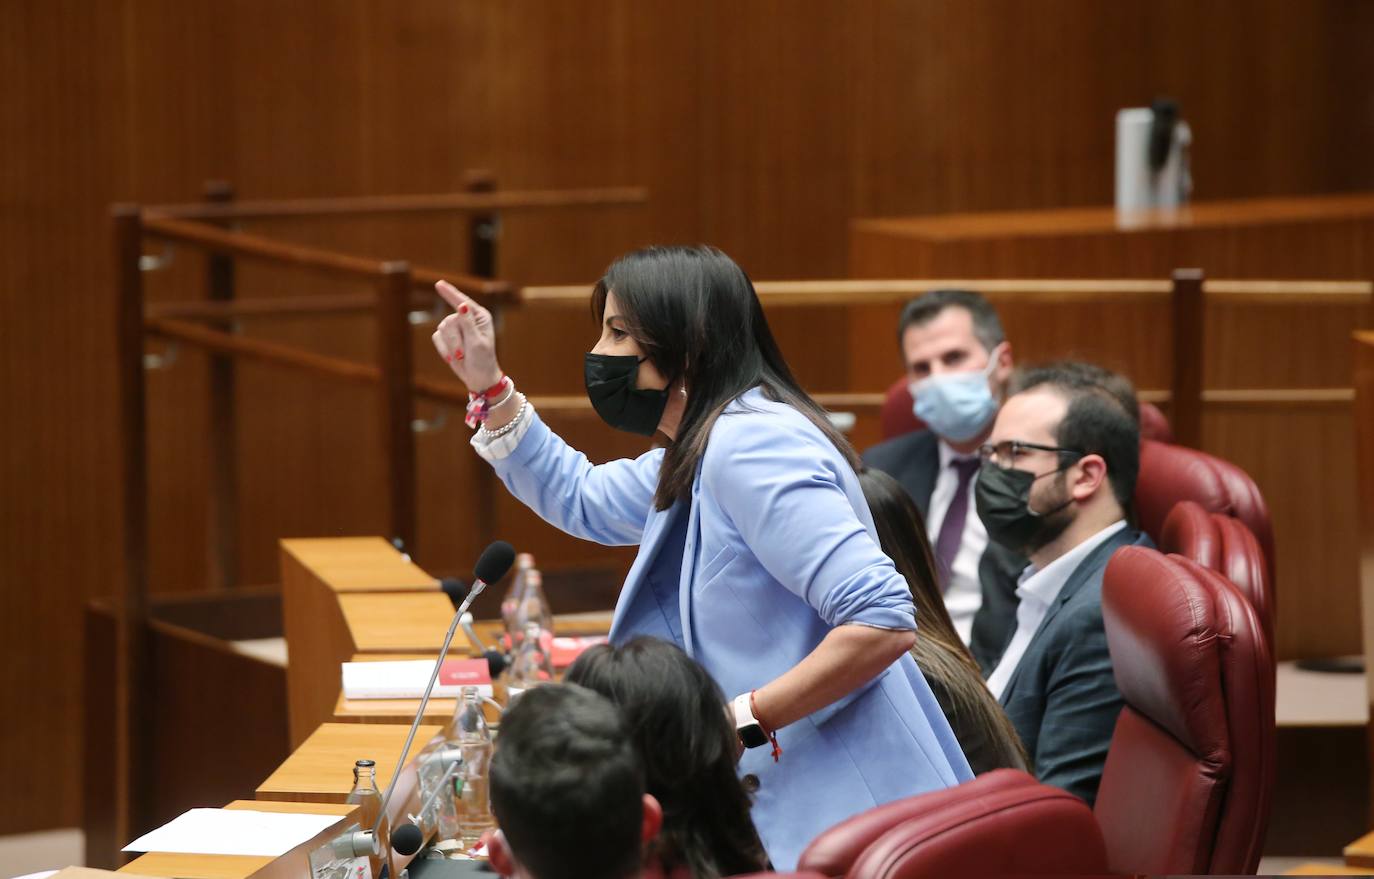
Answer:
(776, 480)
(607, 503)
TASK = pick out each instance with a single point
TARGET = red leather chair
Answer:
(1153, 424)
(896, 416)
(1223, 544)
(1169, 474)
(835, 851)
(1189, 777)
(989, 827)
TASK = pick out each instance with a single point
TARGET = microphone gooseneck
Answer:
(491, 566)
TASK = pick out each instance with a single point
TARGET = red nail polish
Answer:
(457, 355)
(462, 309)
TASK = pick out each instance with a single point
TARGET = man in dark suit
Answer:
(1056, 484)
(959, 361)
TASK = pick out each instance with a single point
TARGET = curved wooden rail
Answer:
(375, 205)
(881, 292)
(1290, 292)
(248, 246)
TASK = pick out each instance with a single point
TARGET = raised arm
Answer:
(608, 503)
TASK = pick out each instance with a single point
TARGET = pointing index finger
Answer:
(451, 294)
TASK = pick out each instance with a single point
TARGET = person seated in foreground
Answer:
(676, 718)
(567, 790)
(1058, 474)
(984, 732)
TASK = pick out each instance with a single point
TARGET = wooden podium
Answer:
(346, 599)
(348, 596)
(358, 599)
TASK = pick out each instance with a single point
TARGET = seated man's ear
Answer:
(499, 854)
(653, 819)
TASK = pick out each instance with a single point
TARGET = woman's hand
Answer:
(466, 340)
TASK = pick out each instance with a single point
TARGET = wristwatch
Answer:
(747, 727)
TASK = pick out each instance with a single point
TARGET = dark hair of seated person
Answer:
(567, 787)
(676, 716)
(984, 731)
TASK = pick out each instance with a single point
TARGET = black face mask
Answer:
(1002, 497)
(611, 387)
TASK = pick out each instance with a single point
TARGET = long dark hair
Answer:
(698, 319)
(939, 652)
(676, 716)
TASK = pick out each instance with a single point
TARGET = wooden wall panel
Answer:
(761, 127)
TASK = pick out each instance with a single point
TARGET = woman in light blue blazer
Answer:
(757, 555)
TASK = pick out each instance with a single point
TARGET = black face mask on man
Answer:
(610, 380)
(1002, 497)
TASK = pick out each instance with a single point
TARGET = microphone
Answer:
(496, 660)
(407, 839)
(454, 588)
(491, 566)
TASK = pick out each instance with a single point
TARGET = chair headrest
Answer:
(1028, 829)
(1166, 646)
(897, 416)
(1190, 532)
(835, 850)
(1153, 424)
(1226, 545)
(1169, 474)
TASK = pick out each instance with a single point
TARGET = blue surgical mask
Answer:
(957, 406)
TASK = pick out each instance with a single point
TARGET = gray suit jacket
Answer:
(1062, 698)
(913, 459)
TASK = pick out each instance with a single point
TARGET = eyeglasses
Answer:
(1007, 452)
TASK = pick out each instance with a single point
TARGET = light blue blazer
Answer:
(780, 548)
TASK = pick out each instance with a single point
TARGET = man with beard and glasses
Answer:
(1055, 486)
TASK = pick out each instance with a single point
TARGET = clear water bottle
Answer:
(533, 663)
(525, 602)
(474, 739)
(437, 776)
(366, 795)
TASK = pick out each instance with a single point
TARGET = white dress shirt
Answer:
(1037, 591)
(964, 593)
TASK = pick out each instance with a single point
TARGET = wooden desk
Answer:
(360, 564)
(1305, 237)
(394, 711)
(440, 710)
(344, 596)
(292, 865)
(321, 769)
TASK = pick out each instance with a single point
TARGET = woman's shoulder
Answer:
(752, 417)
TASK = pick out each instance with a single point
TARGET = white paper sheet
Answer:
(232, 832)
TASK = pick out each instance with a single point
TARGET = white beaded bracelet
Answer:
(511, 425)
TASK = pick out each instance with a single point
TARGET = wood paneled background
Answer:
(762, 127)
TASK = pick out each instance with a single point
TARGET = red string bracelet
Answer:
(772, 736)
(479, 405)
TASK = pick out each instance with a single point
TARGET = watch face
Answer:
(752, 736)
